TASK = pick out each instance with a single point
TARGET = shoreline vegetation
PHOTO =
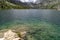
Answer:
(4, 4)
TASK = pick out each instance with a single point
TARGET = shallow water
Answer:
(45, 24)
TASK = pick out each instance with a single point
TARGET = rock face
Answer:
(9, 35)
(1, 38)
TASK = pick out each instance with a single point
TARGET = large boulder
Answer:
(9, 35)
(12, 35)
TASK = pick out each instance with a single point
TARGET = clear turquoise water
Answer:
(33, 17)
(13, 17)
(47, 21)
(51, 16)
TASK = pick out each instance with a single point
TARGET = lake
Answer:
(30, 16)
(43, 24)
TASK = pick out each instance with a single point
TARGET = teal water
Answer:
(46, 23)
(14, 17)
(30, 15)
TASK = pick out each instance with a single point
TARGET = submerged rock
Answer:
(23, 34)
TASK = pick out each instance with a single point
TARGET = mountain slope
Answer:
(8, 5)
(53, 4)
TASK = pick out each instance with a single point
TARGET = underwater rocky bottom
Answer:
(32, 30)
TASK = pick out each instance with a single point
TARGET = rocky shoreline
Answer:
(10, 35)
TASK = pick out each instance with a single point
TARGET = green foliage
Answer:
(8, 5)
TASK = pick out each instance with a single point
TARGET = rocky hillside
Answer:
(44, 4)
(7, 5)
